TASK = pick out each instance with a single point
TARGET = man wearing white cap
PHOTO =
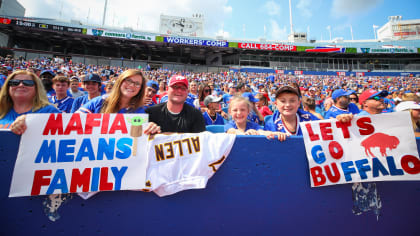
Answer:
(174, 115)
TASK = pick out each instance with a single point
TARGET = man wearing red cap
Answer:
(174, 115)
(372, 102)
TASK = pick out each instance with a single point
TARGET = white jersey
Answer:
(185, 161)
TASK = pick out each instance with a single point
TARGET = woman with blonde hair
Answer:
(22, 93)
(414, 109)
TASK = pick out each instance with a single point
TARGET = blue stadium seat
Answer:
(215, 128)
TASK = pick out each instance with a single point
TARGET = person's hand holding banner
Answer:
(369, 148)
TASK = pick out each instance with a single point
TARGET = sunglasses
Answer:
(207, 90)
(376, 98)
(16, 82)
(353, 98)
(131, 82)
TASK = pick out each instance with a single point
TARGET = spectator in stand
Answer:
(193, 90)
(204, 90)
(126, 97)
(239, 109)
(410, 97)
(46, 77)
(109, 86)
(262, 105)
(308, 105)
(74, 88)
(211, 116)
(23, 93)
(226, 97)
(151, 91)
(372, 102)
(341, 105)
(61, 100)
(174, 115)
(354, 99)
(288, 115)
(414, 109)
(92, 84)
(254, 115)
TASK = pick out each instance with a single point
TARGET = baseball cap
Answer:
(312, 89)
(407, 105)
(250, 97)
(287, 89)
(93, 77)
(371, 93)
(209, 99)
(178, 79)
(339, 93)
(47, 72)
(74, 78)
(153, 84)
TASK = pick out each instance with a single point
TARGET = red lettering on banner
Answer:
(336, 151)
(104, 185)
(80, 179)
(415, 169)
(118, 124)
(326, 131)
(40, 180)
(365, 126)
(344, 128)
(54, 124)
(333, 178)
(105, 122)
(317, 176)
(75, 124)
(312, 135)
(91, 121)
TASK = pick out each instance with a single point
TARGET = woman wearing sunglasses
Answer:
(204, 90)
(22, 93)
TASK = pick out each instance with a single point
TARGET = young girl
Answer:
(239, 108)
(262, 105)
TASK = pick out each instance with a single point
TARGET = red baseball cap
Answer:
(178, 79)
(371, 93)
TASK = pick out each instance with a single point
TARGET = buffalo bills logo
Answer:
(380, 140)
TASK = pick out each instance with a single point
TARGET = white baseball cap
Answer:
(407, 105)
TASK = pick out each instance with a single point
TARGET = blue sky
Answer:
(238, 19)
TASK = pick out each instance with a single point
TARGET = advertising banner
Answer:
(195, 41)
(273, 47)
(123, 35)
(31, 24)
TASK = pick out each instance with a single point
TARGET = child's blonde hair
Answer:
(238, 99)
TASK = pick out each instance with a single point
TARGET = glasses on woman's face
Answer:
(16, 82)
(353, 98)
(207, 90)
(131, 82)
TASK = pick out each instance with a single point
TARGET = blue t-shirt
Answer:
(334, 111)
(78, 102)
(276, 124)
(249, 125)
(95, 106)
(11, 116)
(64, 104)
(226, 99)
(209, 121)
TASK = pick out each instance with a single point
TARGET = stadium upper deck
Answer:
(71, 38)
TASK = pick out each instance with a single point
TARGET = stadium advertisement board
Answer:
(273, 47)
(196, 41)
(37, 25)
(387, 50)
(105, 33)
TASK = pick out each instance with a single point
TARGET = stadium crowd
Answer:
(273, 102)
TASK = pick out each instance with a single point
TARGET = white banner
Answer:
(68, 153)
(370, 148)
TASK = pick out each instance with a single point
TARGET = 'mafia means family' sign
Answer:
(68, 153)
(369, 148)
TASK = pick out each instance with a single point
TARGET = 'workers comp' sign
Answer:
(68, 153)
(369, 148)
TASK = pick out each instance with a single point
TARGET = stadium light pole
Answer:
(374, 30)
(291, 19)
(103, 18)
(351, 32)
